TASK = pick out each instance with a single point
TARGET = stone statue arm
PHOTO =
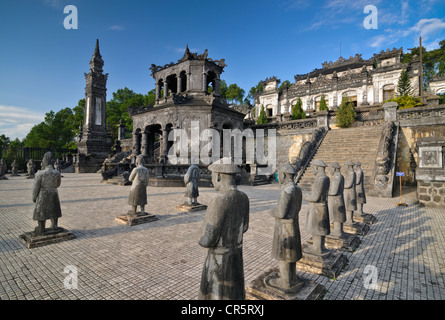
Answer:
(349, 181)
(36, 187)
(316, 190)
(58, 180)
(132, 174)
(246, 216)
(334, 187)
(359, 178)
(213, 223)
(283, 207)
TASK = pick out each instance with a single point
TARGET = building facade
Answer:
(364, 82)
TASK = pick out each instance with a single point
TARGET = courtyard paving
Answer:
(162, 260)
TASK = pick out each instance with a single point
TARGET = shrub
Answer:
(345, 114)
(297, 111)
(263, 117)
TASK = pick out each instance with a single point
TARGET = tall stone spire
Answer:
(96, 62)
(95, 140)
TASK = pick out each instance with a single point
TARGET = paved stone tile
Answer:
(162, 260)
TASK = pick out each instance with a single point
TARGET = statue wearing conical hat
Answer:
(360, 188)
(336, 202)
(226, 220)
(286, 246)
(318, 218)
(349, 192)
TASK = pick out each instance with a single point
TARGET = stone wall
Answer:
(431, 194)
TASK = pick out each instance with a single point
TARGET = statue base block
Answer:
(135, 219)
(262, 289)
(357, 228)
(347, 242)
(365, 218)
(3, 178)
(31, 240)
(191, 207)
(329, 265)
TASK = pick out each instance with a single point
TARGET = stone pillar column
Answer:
(136, 143)
(165, 89)
(217, 82)
(157, 90)
(164, 148)
(204, 81)
(323, 119)
(179, 84)
(144, 144)
(121, 130)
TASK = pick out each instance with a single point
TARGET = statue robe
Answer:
(286, 245)
(138, 191)
(349, 191)
(191, 182)
(45, 195)
(336, 202)
(359, 186)
(226, 220)
(318, 217)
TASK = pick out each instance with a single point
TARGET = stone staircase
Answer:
(355, 144)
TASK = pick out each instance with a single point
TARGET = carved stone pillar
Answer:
(157, 91)
(144, 144)
(179, 84)
(217, 82)
(204, 81)
(165, 89)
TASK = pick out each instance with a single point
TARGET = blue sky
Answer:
(42, 64)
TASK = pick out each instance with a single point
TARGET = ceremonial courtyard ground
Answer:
(162, 259)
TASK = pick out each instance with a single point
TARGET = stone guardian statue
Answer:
(226, 220)
(318, 218)
(360, 188)
(138, 192)
(286, 246)
(191, 179)
(45, 195)
(336, 202)
(350, 192)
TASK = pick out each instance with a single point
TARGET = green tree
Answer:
(223, 89)
(263, 117)
(346, 113)
(323, 105)
(285, 83)
(297, 111)
(4, 142)
(404, 85)
(235, 93)
(57, 131)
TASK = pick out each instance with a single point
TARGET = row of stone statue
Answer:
(30, 168)
(227, 218)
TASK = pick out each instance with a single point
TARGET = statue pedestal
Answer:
(31, 240)
(329, 264)
(135, 219)
(357, 228)
(347, 242)
(365, 218)
(191, 207)
(262, 289)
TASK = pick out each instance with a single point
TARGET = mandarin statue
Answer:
(226, 220)
(45, 195)
(350, 192)
(286, 246)
(336, 202)
(360, 188)
(318, 218)
(138, 192)
(31, 167)
(191, 179)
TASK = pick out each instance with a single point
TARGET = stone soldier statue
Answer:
(336, 202)
(286, 247)
(191, 179)
(360, 188)
(2, 167)
(57, 165)
(318, 218)
(45, 195)
(31, 168)
(227, 218)
(14, 168)
(349, 192)
(138, 191)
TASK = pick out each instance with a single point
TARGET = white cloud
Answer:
(17, 121)
(427, 27)
(116, 27)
